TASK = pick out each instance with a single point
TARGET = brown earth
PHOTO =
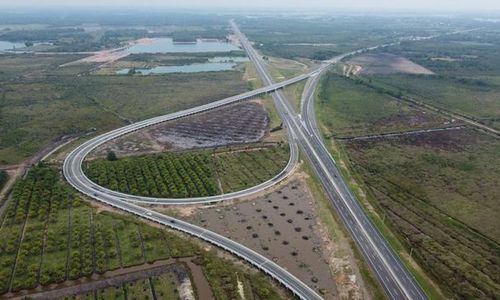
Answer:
(240, 123)
(285, 227)
(385, 63)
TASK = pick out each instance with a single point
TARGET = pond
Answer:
(193, 68)
(220, 63)
(167, 45)
(4, 45)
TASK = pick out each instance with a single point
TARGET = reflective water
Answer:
(167, 45)
(222, 63)
(4, 45)
(206, 67)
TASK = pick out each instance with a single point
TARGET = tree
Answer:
(111, 156)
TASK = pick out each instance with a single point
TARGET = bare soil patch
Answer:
(236, 124)
(385, 63)
(284, 227)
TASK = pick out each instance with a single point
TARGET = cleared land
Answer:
(48, 235)
(385, 63)
(236, 124)
(36, 96)
(284, 226)
(202, 173)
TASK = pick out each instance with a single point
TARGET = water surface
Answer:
(4, 45)
(167, 45)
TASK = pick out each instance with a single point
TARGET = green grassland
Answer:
(48, 234)
(348, 108)
(38, 104)
(473, 98)
(191, 174)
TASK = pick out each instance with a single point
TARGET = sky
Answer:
(379, 5)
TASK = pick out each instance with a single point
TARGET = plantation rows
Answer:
(189, 174)
(47, 235)
(165, 175)
(466, 262)
(240, 170)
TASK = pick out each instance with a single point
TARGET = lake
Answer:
(167, 45)
(219, 63)
(193, 68)
(4, 45)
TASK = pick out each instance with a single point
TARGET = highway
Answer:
(72, 170)
(73, 162)
(390, 271)
(394, 277)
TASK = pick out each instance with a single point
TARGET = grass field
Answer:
(189, 174)
(466, 67)
(36, 97)
(48, 234)
(439, 193)
(347, 108)
(473, 98)
(436, 191)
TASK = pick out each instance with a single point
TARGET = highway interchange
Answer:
(303, 131)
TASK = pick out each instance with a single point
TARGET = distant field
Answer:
(36, 97)
(48, 235)
(474, 98)
(192, 174)
(467, 68)
(347, 108)
(384, 63)
(323, 37)
(439, 192)
(468, 54)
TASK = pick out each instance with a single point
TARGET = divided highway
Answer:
(302, 130)
(392, 274)
(72, 170)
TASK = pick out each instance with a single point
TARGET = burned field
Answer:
(236, 124)
(240, 123)
(283, 226)
(439, 192)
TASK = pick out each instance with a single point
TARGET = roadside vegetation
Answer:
(348, 108)
(435, 191)
(191, 174)
(48, 235)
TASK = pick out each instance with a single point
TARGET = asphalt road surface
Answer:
(302, 130)
(396, 280)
